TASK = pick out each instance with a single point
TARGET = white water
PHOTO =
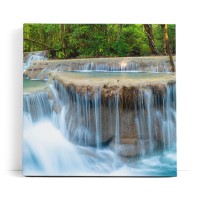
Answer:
(160, 116)
(34, 56)
(47, 149)
(128, 67)
(46, 152)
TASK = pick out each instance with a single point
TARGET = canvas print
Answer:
(99, 100)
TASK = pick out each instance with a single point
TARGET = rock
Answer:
(128, 147)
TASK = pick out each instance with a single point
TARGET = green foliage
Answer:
(94, 40)
(60, 54)
(172, 36)
(158, 36)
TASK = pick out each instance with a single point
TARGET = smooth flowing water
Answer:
(124, 66)
(65, 134)
(34, 56)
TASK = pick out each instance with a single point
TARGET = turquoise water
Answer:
(116, 74)
(30, 86)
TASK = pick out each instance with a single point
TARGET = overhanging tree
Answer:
(150, 36)
(166, 45)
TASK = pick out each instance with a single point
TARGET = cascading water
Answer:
(41, 70)
(34, 56)
(128, 67)
(72, 132)
(97, 106)
(37, 106)
(155, 119)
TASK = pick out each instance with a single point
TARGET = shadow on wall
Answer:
(16, 90)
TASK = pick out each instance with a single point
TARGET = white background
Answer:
(184, 13)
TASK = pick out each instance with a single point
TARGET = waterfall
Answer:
(97, 106)
(155, 120)
(117, 134)
(81, 127)
(37, 106)
(131, 66)
(117, 131)
(75, 130)
(88, 120)
(84, 120)
(34, 56)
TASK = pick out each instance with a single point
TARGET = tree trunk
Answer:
(167, 46)
(63, 39)
(119, 32)
(150, 36)
(165, 38)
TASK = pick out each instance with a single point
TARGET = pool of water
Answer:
(31, 86)
(118, 74)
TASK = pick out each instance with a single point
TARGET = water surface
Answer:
(120, 74)
(31, 86)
